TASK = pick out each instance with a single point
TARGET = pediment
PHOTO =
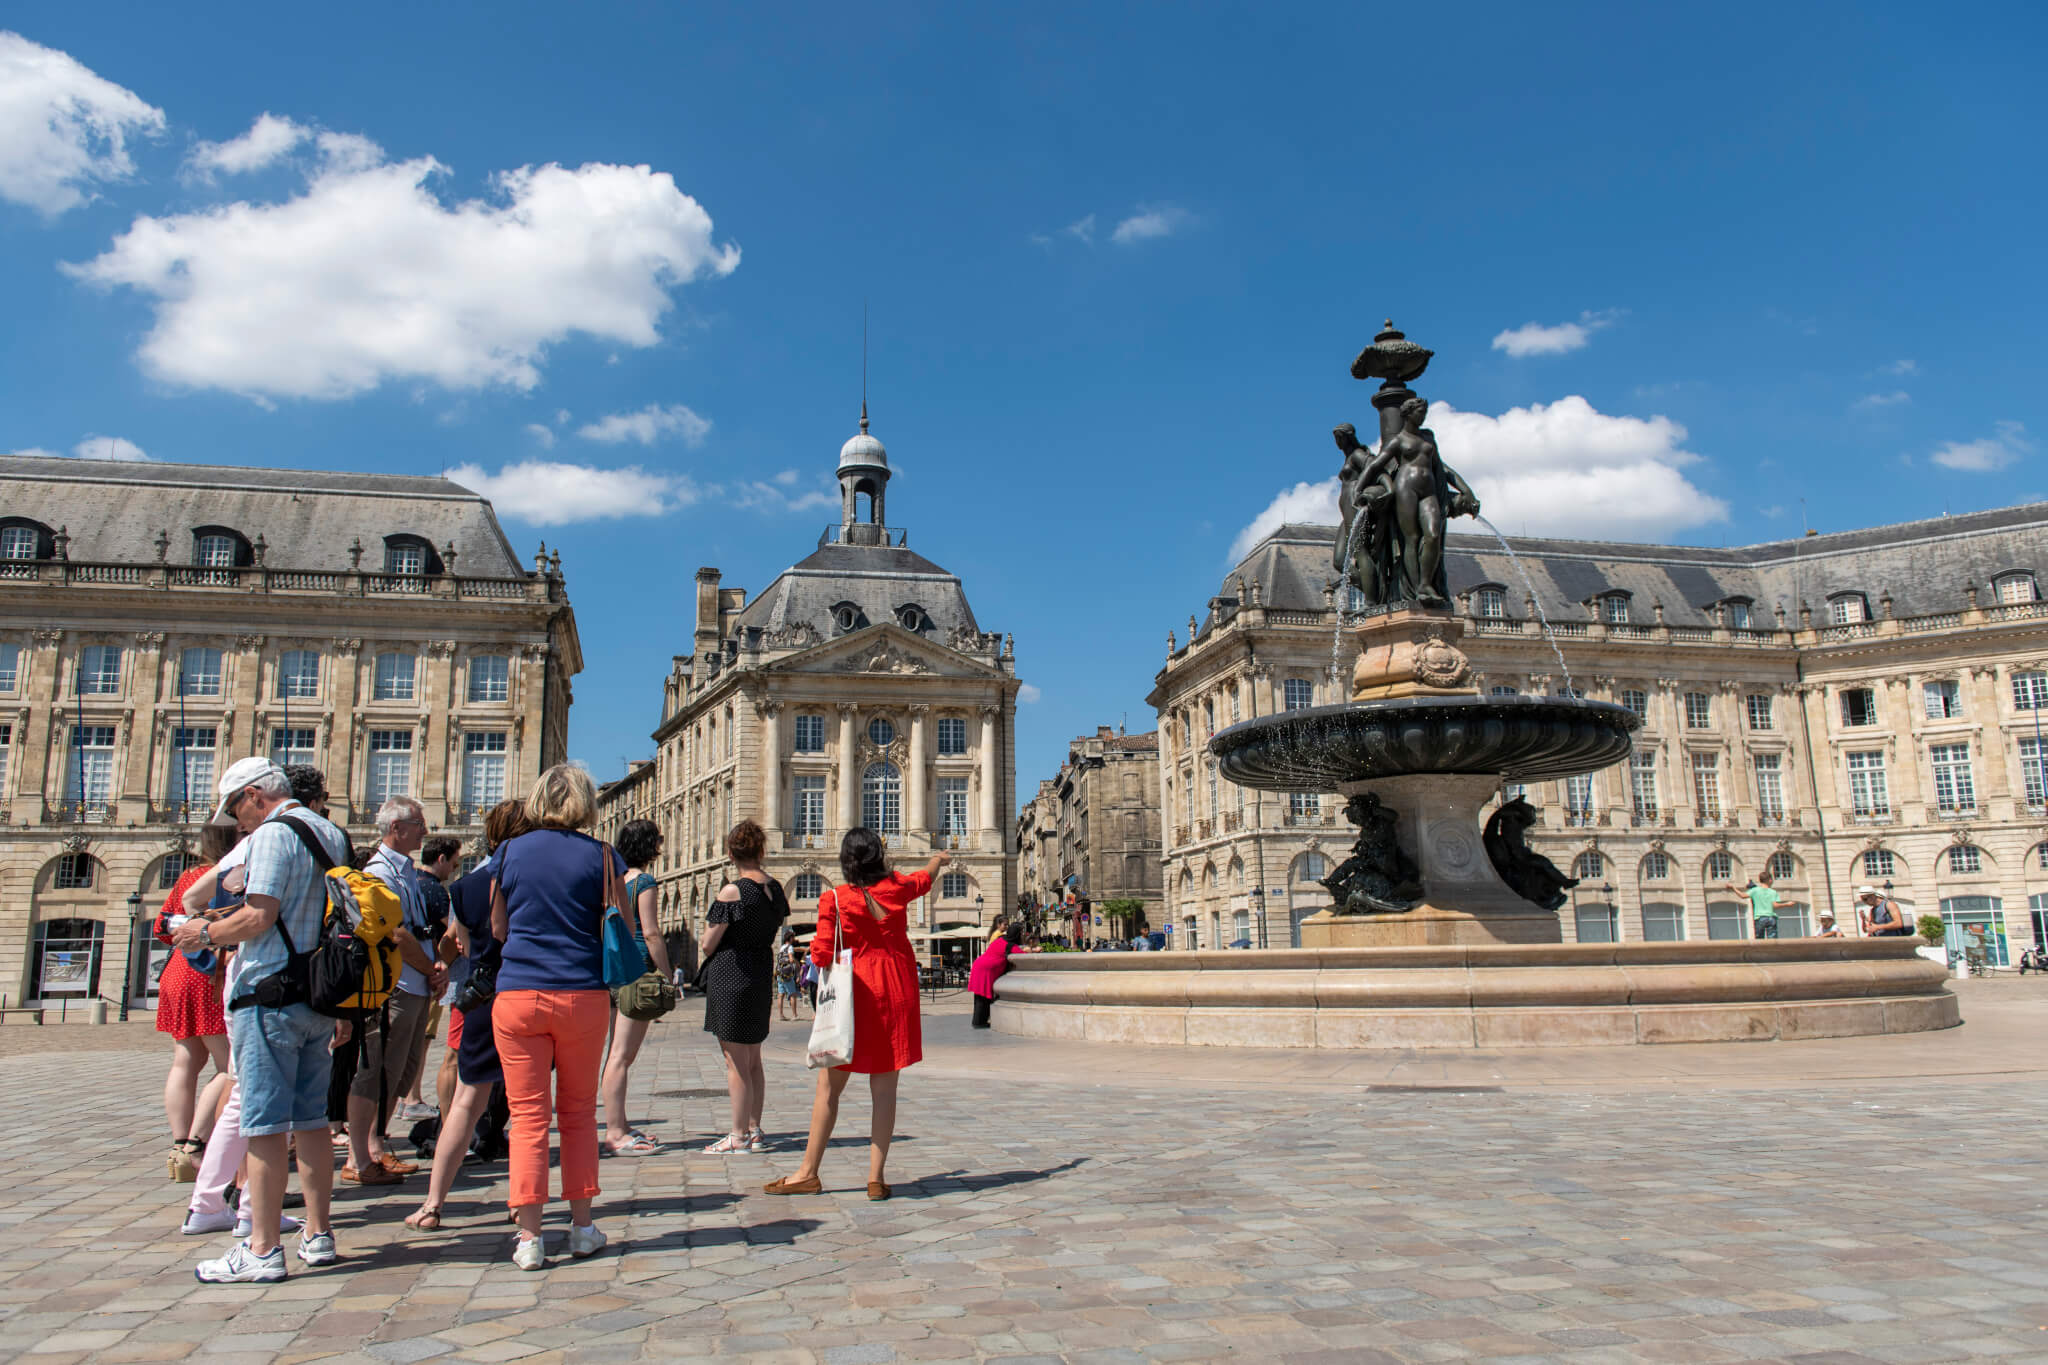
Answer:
(885, 650)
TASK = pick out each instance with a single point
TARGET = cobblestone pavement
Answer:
(1155, 1217)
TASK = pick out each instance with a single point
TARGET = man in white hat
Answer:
(1879, 915)
(281, 1046)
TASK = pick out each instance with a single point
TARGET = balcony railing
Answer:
(1870, 817)
(258, 579)
(797, 839)
(80, 813)
(1310, 819)
(1578, 819)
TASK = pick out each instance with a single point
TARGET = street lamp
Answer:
(1259, 912)
(134, 915)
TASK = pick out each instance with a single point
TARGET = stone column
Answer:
(341, 755)
(991, 773)
(917, 814)
(849, 779)
(771, 765)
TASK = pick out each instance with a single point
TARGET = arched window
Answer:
(881, 798)
(1209, 877)
(411, 556)
(21, 538)
(1965, 860)
(1656, 866)
(1878, 862)
(1720, 866)
(1847, 608)
(1310, 867)
(806, 886)
(221, 547)
(1490, 601)
(1613, 608)
(1783, 867)
(1236, 874)
(1588, 866)
(2015, 587)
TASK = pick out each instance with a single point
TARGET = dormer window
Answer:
(913, 618)
(1735, 613)
(24, 539)
(847, 617)
(1847, 609)
(220, 547)
(1613, 608)
(2017, 587)
(1492, 602)
(410, 556)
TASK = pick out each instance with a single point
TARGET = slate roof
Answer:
(114, 510)
(876, 578)
(1924, 565)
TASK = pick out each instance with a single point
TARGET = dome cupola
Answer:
(863, 469)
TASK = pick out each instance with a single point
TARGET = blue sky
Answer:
(1116, 262)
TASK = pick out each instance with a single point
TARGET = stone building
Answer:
(1861, 707)
(1093, 830)
(161, 621)
(856, 689)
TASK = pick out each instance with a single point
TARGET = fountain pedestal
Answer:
(1464, 900)
(1410, 652)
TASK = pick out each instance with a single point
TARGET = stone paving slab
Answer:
(1134, 1208)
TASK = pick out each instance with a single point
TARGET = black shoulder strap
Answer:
(322, 859)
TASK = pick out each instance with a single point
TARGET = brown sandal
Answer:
(424, 1220)
(789, 1186)
(878, 1191)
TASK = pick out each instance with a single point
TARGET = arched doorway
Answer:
(67, 944)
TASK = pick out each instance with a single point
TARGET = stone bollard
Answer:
(97, 1013)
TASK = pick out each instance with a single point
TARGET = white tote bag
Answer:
(832, 1029)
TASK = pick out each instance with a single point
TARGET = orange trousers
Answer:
(552, 1047)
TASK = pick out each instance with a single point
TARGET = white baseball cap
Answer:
(241, 773)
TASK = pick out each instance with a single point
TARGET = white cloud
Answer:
(1901, 367)
(1533, 338)
(36, 453)
(543, 436)
(367, 276)
(1147, 224)
(1028, 693)
(1989, 455)
(62, 127)
(108, 448)
(786, 477)
(548, 493)
(1873, 402)
(778, 495)
(652, 423)
(1557, 469)
(1083, 228)
(269, 140)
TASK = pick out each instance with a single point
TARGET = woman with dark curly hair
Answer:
(639, 844)
(870, 917)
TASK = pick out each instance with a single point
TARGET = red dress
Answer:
(887, 1034)
(187, 999)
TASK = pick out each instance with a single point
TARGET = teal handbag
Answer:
(623, 960)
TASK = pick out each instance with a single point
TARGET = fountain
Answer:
(1444, 930)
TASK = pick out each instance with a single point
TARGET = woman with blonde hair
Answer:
(549, 1015)
(869, 917)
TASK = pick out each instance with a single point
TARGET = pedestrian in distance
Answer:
(549, 1015)
(1827, 926)
(190, 1010)
(739, 980)
(471, 1039)
(1763, 905)
(869, 915)
(391, 1035)
(639, 844)
(1879, 916)
(281, 1045)
(993, 962)
(788, 976)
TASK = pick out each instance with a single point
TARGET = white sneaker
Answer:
(242, 1266)
(585, 1241)
(286, 1226)
(204, 1224)
(531, 1253)
(317, 1249)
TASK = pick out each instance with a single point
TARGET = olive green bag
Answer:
(646, 997)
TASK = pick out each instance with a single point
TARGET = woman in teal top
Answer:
(639, 845)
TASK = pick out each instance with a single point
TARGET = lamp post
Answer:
(1613, 912)
(134, 915)
(1259, 912)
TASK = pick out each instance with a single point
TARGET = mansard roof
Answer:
(115, 509)
(877, 579)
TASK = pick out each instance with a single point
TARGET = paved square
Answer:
(1103, 1205)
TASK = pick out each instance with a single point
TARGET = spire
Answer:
(863, 412)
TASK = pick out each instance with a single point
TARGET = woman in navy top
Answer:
(551, 1008)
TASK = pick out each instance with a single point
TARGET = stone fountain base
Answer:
(1481, 996)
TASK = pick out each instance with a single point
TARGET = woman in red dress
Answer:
(188, 1007)
(870, 916)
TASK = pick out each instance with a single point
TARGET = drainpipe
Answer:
(1259, 823)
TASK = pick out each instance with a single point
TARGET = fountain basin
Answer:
(1330, 748)
(1481, 996)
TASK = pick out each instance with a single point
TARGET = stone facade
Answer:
(1853, 708)
(857, 688)
(163, 620)
(1094, 829)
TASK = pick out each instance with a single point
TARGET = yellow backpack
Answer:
(353, 969)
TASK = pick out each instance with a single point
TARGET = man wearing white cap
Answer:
(1880, 915)
(281, 1046)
